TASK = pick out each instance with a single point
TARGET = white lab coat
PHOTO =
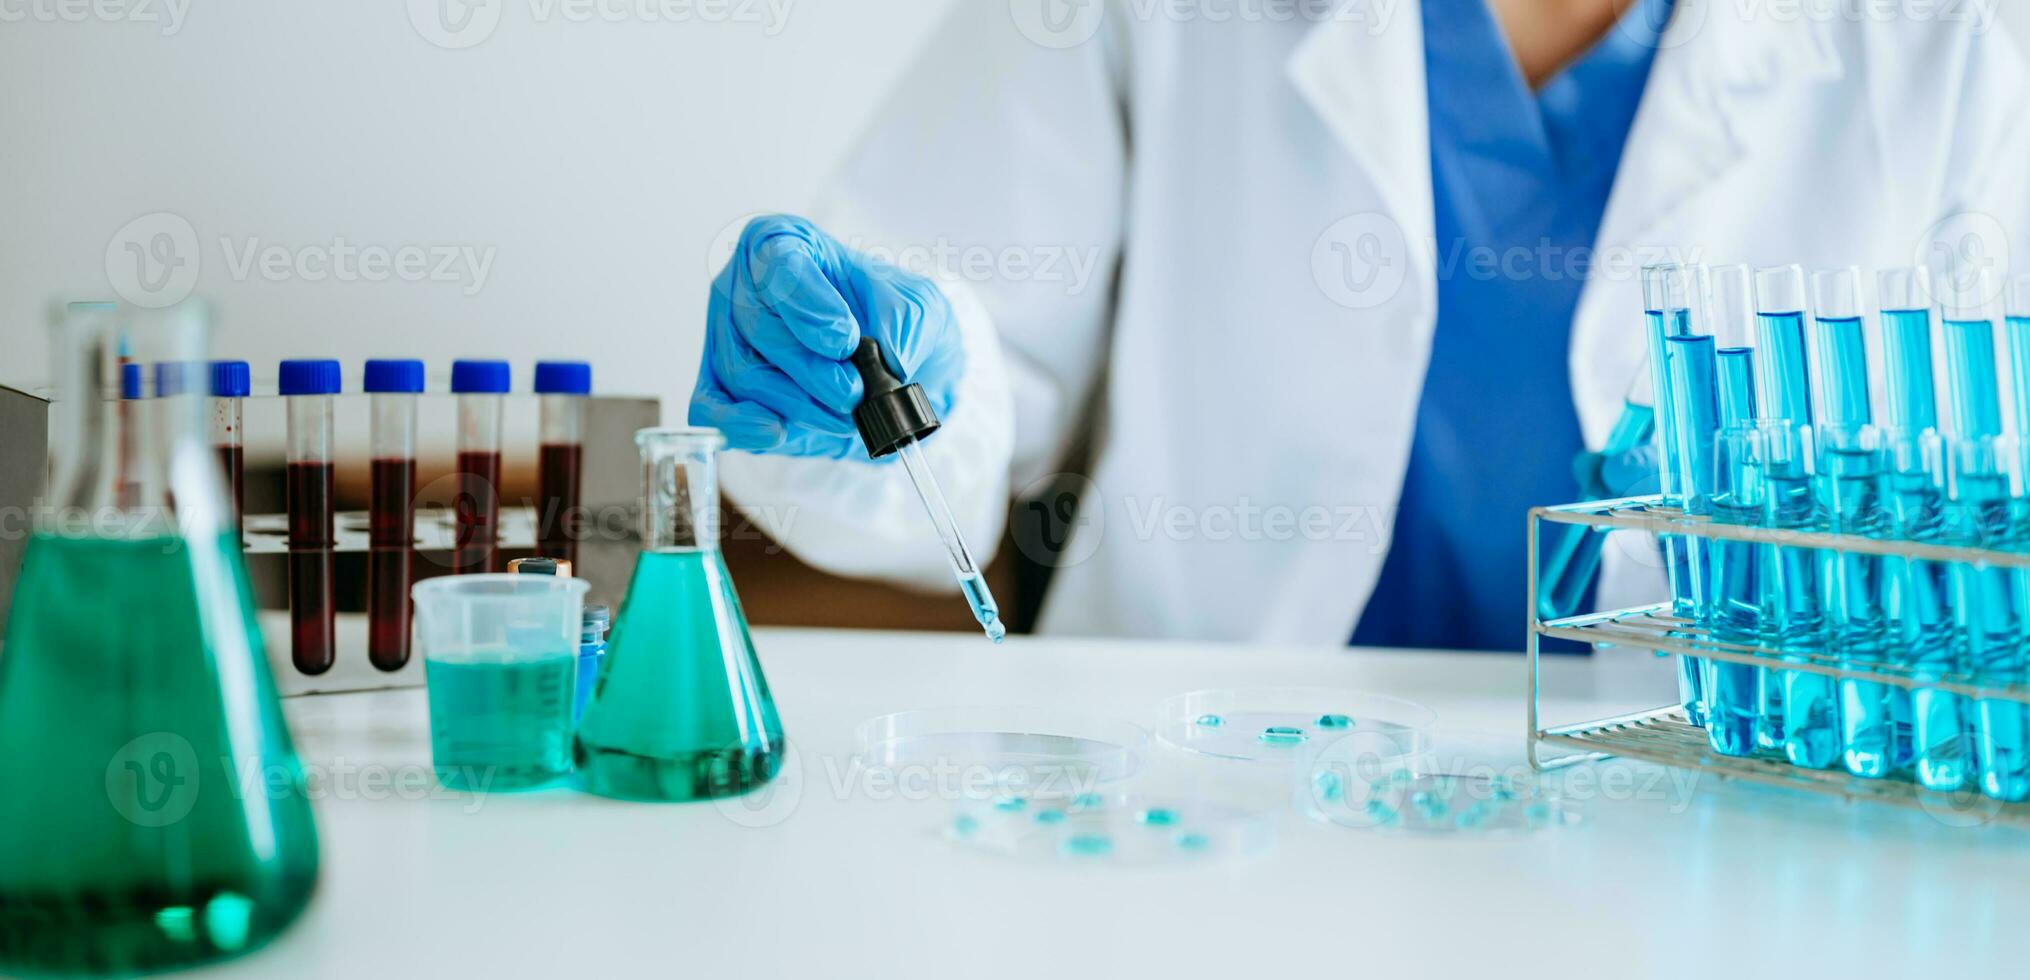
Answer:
(1250, 349)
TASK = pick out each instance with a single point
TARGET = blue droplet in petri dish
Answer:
(1381, 813)
(965, 825)
(1087, 801)
(1192, 841)
(1282, 735)
(1209, 721)
(1050, 816)
(1010, 804)
(1327, 786)
(1087, 845)
(1157, 816)
(1538, 814)
(1334, 721)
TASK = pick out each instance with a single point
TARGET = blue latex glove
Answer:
(785, 316)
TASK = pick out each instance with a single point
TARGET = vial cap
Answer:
(479, 377)
(558, 567)
(130, 381)
(563, 378)
(230, 379)
(172, 378)
(309, 377)
(891, 413)
(394, 377)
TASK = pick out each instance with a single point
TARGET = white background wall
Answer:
(598, 160)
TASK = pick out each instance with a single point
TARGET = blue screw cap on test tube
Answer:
(893, 418)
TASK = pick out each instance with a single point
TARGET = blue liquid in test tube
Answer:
(1808, 708)
(1917, 594)
(1851, 482)
(1666, 300)
(1989, 602)
(1570, 560)
(1735, 592)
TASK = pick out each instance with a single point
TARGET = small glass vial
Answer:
(591, 650)
(231, 383)
(563, 387)
(308, 385)
(479, 386)
(392, 387)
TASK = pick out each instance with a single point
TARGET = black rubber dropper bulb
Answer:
(891, 413)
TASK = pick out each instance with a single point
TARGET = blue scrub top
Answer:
(1520, 179)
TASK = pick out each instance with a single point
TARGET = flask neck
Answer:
(131, 455)
(680, 490)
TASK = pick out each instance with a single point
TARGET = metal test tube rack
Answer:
(1666, 736)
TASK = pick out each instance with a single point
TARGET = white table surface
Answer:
(1725, 880)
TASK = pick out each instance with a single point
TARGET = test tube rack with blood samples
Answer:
(363, 555)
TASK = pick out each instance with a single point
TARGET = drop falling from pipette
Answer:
(894, 418)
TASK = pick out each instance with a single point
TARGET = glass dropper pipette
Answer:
(894, 418)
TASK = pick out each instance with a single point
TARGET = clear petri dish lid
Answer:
(1281, 724)
(1002, 752)
(1455, 782)
(1112, 828)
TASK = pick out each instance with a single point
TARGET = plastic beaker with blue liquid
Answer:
(500, 657)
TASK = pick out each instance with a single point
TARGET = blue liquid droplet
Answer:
(1328, 787)
(1538, 814)
(1209, 721)
(1282, 735)
(1050, 816)
(1157, 817)
(1087, 801)
(1334, 721)
(1381, 813)
(1010, 804)
(1193, 841)
(1087, 845)
(964, 826)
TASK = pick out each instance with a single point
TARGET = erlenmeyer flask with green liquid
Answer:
(681, 710)
(152, 809)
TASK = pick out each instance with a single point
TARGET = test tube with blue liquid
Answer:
(1735, 597)
(1667, 314)
(1917, 592)
(1569, 563)
(1798, 617)
(1851, 482)
(894, 418)
(1986, 600)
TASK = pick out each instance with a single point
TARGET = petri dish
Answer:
(1113, 829)
(1283, 724)
(1001, 752)
(1453, 783)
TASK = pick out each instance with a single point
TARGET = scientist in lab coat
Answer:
(1334, 298)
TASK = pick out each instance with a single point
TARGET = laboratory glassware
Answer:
(154, 808)
(1736, 722)
(1851, 479)
(479, 386)
(231, 383)
(1991, 602)
(1666, 314)
(1456, 782)
(500, 659)
(307, 386)
(1567, 566)
(682, 710)
(894, 418)
(1809, 708)
(592, 629)
(562, 387)
(1257, 724)
(1002, 751)
(1917, 596)
(392, 387)
(1131, 830)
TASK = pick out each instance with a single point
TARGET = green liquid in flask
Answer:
(152, 813)
(681, 711)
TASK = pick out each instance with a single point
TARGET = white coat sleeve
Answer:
(997, 168)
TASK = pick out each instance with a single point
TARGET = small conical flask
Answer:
(680, 710)
(152, 809)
